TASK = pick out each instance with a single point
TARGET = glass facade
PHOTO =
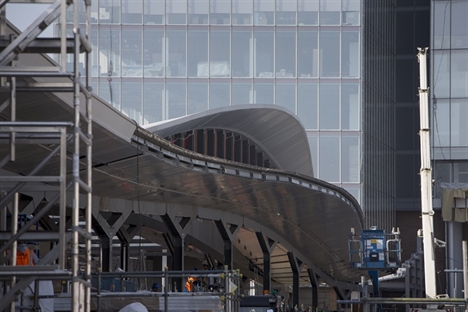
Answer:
(160, 59)
(449, 113)
(412, 28)
(449, 92)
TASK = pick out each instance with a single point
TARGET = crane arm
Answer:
(426, 179)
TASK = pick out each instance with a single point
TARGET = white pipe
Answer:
(400, 273)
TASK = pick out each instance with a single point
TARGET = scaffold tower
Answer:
(49, 156)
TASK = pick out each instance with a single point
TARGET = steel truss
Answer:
(62, 143)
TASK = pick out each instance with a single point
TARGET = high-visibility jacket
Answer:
(188, 284)
(24, 258)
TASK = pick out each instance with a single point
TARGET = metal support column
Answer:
(125, 237)
(106, 253)
(314, 284)
(454, 258)
(177, 227)
(267, 245)
(228, 233)
(296, 268)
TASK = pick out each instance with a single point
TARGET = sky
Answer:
(24, 14)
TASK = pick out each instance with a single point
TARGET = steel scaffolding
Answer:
(67, 149)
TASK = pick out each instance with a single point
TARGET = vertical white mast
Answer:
(426, 179)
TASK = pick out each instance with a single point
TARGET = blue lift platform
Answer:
(374, 250)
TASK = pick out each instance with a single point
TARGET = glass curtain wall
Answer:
(162, 59)
(449, 96)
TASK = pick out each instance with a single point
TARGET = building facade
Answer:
(330, 62)
(449, 108)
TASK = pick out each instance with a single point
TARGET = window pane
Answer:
(264, 56)
(329, 54)
(95, 70)
(109, 58)
(440, 74)
(329, 107)
(198, 11)
(441, 26)
(458, 123)
(308, 12)
(330, 12)
(94, 16)
(132, 11)
(219, 53)
(153, 101)
(109, 11)
(175, 99)
(241, 93)
(132, 52)
(350, 159)
(264, 93)
(110, 91)
(242, 53)
(176, 51)
(197, 97)
(153, 52)
(459, 24)
(176, 11)
(131, 100)
(153, 12)
(82, 13)
(220, 12)
(197, 52)
(286, 95)
(285, 53)
(350, 106)
(264, 12)
(307, 104)
(242, 12)
(441, 122)
(219, 94)
(354, 190)
(329, 158)
(286, 12)
(350, 54)
(459, 74)
(351, 10)
(460, 172)
(313, 144)
(307, 53)
(442, 173)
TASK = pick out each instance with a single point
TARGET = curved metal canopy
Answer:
(307, 215)
(279, 133)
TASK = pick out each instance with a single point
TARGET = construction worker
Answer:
(155, 287)
(25, 256)
(189, 284)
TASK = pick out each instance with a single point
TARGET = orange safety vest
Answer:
(24, 258)
(188, 283)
